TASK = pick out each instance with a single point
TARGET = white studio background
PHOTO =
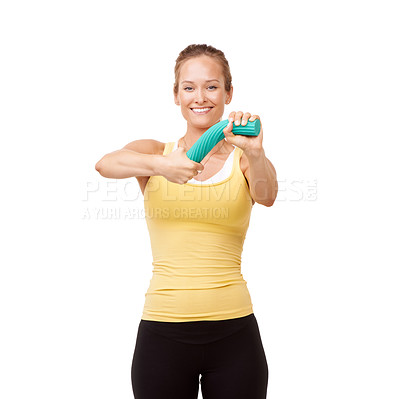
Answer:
(82, 78)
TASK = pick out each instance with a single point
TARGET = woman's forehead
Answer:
(201, 69)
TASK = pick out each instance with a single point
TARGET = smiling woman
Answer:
(198, 315)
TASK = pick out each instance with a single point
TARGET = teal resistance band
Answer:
(215, 134)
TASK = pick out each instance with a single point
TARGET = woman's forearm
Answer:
(263, 180)
(126, 163)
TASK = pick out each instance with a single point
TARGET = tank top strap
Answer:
(168, 147)
(236, 162)
(238, 154)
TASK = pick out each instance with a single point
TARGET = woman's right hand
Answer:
(179, 168)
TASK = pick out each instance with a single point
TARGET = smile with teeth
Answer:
(201, 110)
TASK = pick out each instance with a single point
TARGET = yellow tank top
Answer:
(197, 234)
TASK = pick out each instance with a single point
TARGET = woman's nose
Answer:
(200, 98)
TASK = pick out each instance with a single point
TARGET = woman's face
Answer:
(202, 87)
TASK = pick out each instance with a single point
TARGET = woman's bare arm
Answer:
(138, 158)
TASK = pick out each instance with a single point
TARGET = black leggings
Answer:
(228, 354)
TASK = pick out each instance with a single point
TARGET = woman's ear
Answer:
(229, 96)
(176, 99)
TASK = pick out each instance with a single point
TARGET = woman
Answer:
(198, 319)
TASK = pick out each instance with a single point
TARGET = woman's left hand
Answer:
(247, 143)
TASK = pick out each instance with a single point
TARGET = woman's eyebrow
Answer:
(210, 80)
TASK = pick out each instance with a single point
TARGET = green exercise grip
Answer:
(215, 134)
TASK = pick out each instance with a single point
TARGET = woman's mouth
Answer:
(202, 110)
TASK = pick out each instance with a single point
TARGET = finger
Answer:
(253, 118)
(228, 129)
(245, 118)
(232, 116)
(238, 116)
(199, 166)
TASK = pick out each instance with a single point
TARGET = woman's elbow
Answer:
(100, 165)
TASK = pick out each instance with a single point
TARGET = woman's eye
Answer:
(188, 88)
